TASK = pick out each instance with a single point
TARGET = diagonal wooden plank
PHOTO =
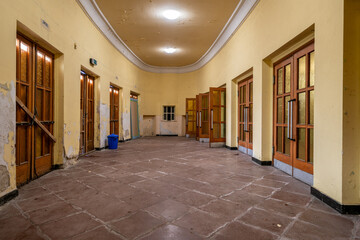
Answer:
(28, 112)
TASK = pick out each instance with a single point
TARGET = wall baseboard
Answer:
(167, 135)
(343, 209)
(231, 148)
(262, 163)
(57, 166)
(9, 196)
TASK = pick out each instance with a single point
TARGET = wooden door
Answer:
(34, 88)
(245, 113)
(217, 126)
(114, 110)
(197, 117)
(204, 116)
(191, 117)
(24, 125)
(87, 120)
(134, 115)
(43, 110)
(294, 110)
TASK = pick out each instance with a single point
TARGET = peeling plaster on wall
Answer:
(126, 125)
(7, 138)
(170, 127)
(70, 152)
(104, 123)
(148, 126)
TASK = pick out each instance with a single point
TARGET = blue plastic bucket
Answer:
(113, 141)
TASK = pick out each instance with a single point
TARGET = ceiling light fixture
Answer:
(169, 50)
(171, 14)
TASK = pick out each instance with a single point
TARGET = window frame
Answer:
(166, 113)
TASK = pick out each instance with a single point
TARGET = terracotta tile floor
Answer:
(170, 188)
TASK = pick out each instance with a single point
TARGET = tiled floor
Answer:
(170, 188)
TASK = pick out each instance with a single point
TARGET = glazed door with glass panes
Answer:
(191, 117)
(34, 88)
(204, 116)
(245, 111)
(114, 110)
(87, 103)
(217, 126)
(134, 115)
(197, 117)
(294, 110)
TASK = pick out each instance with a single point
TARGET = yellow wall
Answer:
(351, 105)
(274, 28)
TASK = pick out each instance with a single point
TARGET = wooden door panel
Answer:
(204, 116)
(217, 118)
(114, 110)
(293, 109)
(197, 117)
(191, 117)
(245, 113)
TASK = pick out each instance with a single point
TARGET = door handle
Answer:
(288, 119)
(291, 119)
(212, 119)
(200, 119)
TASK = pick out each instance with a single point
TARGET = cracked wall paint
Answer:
(7, 138)
(104, 124)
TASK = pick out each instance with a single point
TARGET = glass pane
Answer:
(250, 113)
(280, 81)
(242, 113)
(223, 130)
(244, 94)
(169, 117)
(223, 100)
(311, 108)
(190, 116)
(301, 72)
(311, 145)
(190, 126)
(38, 142)
(24, 64)
(287, 78)
(164, 117)
(279, 110)
(251, 92)
(47, 106)
(205, 115)
(287, 99)
(301, 108)
(205, 128)
(287, 142)
(223, 114)
(241, 93)
(216, 114)
(300, 148)
(173, 116)
(312, 69)
(250, 133)
(169, 109)
(190, 105)
(164, 109)
(39, 104)
(47, 72)
(205, 102)
(279, 147)
(216, 100)
(241, 137)
(172, 109)
(216, 130)
(39, 70)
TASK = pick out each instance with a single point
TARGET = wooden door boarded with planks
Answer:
(34, 111)
(294, 114)
(87, 106)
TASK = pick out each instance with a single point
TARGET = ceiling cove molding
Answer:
(237, 18)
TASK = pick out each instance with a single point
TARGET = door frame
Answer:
(245, 146)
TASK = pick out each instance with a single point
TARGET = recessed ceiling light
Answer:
(171, 14)
(169, 50)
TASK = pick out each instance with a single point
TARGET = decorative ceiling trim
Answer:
(242, 10)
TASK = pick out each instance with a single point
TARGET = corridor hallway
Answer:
(170, 188)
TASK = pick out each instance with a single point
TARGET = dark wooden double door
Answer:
(294, 110)
(87, 120)
(34, 89)
(211, 115)
(245, 115)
